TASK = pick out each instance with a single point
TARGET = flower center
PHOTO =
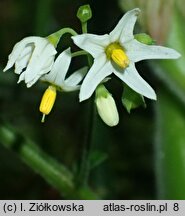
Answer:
(116, 53)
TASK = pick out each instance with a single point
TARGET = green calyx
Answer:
(101, 91)
(84, 13)
(145, 39)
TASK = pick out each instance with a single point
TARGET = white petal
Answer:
(23, 59)
(94, 44)
(39, 59)
(132, 78)
(99, 70)
(137, 51)
(68, 88)
(18, 49)
(48, 64)
(21, 78)
(59, 69)
(76, 77)
(124, 29)
(31, 82)
(35, 58)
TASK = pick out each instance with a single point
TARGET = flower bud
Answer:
(47, 102)
(144, 38)
(84, 13)
(106, 106)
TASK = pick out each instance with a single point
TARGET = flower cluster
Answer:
(116, 52)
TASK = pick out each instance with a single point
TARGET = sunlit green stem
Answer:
(87, 144)
(54, 173)
(55, 37)
(169, 147)
(89, 119)
(84, 27)
(84, 30)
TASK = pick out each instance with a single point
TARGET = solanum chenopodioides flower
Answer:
(33, 57)
(117, 52)
(57, 80)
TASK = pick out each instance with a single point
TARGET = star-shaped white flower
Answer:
(33, 56)
(117, 52)
(57, 75)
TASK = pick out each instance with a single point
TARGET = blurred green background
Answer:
(141, 158)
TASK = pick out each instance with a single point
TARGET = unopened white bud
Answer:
(106, 106)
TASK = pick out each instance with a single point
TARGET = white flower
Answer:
(117, 52)
(106, 106)
(33, 57)
(59, 70)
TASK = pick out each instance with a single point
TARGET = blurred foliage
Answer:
(170, 116)
(123, 158)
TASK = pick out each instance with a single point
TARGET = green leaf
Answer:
(131, 99)
(169, 147)
(97, 158)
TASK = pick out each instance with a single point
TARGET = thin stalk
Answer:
(55, 37)
(79, 53)
(87, 144)
(66, 30)
(84, 27)
(84, 171)
(84, 31)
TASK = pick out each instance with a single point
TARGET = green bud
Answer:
(144, 38)
(84, 13)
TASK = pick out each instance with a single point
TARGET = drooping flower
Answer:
(117, 52)
(57, 75)
(57, 81)
(106, 106)
(33, 57)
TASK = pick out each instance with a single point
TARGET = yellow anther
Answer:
(116, 52)
(47, 102)
(120, 58)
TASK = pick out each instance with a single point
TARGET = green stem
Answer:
(54, 173)
(169, 147)
(84, 27)
(79, 53)
(84, 31)
(84, 171)
(55, 37)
